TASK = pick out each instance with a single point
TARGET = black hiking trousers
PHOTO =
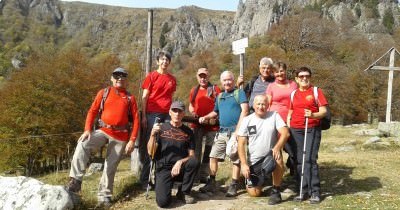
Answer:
(165, 182)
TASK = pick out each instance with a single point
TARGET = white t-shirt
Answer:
(262, 134)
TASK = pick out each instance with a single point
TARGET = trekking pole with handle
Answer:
(303, 163)
(152, 162)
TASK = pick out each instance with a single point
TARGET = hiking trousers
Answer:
(164, 180)
(311, 183)
(81, 157)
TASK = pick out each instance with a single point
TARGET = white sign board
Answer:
(239, 46)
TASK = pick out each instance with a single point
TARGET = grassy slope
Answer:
(358, 179)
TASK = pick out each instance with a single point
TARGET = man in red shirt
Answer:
(114, 129)
(202, 99)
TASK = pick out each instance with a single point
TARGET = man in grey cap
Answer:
(118, 125)
(172, 146)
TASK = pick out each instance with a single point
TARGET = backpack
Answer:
(325, 122)
(235, 95)
(101, 108)
(210, 92)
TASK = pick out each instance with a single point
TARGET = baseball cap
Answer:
(120, 70)
(202, 71)
(178, 105)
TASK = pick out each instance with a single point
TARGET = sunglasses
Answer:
(176, 110)
(118, 76)
(304, 76)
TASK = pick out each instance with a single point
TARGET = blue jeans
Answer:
(311, 180)
(144, 176)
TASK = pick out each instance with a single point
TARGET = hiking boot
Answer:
(74, 185)
(203, 173)
(315, 199)
(300, 198)
(186, 198)
(106, 203)
(275, 197)
(232, 190)
(211, 186)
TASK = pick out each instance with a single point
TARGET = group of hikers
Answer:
(250, 125)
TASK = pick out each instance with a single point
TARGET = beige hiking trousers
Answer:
(114, 153)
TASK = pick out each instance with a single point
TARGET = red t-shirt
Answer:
(305, 100)
(161, 87)
(115, 112)
(204, 103)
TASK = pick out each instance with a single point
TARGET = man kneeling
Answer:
(261, 130)
(173, 145)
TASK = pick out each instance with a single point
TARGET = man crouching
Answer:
(173, 145)
(261, 130)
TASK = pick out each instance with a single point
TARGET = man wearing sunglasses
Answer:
(173, 143)
(118, 122)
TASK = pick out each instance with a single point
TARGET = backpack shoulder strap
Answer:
(196, 90)
(103, 100)
(251, 84)
(315, 90)
(129, 98)
(236, 95)
(292, 95)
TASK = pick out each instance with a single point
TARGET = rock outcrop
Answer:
(28, 193)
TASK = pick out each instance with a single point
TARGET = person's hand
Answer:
(176, 169)
(129, 147)
(240, 80)
(144, 122)
(85, 136)
(202, 120)
(307, 113)
(245, 170)
(156, 129)
(276, 153)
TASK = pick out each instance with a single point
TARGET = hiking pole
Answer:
(152, 162)
(303, 163)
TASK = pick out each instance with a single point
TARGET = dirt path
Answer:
(216, 201)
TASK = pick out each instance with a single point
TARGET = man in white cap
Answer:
(172, 144)
(201, 102)
(118, 127)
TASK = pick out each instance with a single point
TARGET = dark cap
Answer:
(178, 105)
(120, 70)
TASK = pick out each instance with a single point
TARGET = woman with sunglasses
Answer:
(305, 108)
(278, 94)
(158, 89)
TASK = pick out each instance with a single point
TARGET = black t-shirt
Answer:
(173, 144)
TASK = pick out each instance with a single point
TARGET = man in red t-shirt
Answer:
(202, 98)
(114, 130)
(158, 89)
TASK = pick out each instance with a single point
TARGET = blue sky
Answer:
(230, 5)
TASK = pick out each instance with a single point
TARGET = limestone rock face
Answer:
(28, 193)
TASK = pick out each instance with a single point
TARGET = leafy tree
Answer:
(50, 96)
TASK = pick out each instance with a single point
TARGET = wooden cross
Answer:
(391, 68)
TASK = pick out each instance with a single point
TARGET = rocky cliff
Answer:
(122, 30)
(255, 17)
